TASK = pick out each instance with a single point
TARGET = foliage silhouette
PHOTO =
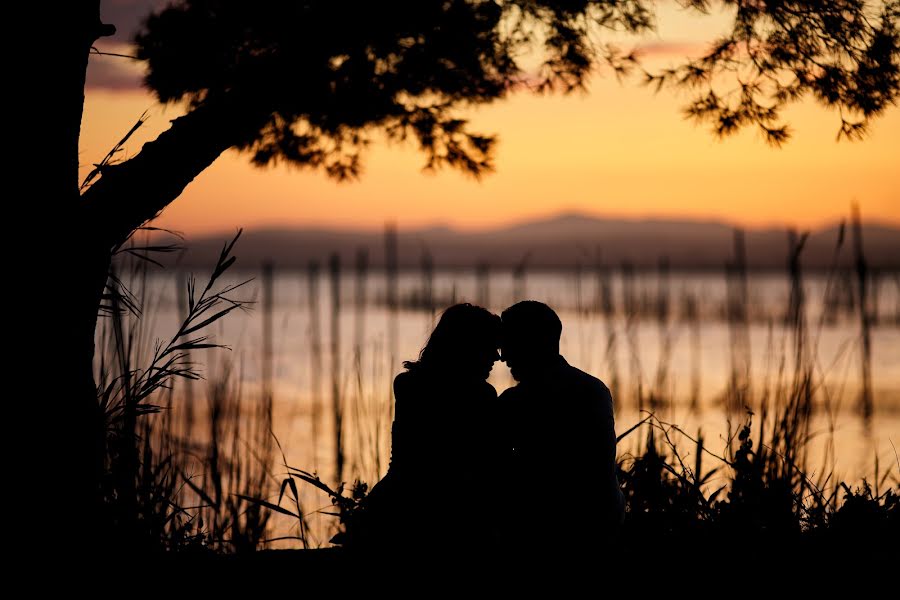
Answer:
(142, 473)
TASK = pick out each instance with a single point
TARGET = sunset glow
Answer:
(619, 151)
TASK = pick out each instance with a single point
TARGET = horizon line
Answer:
(519, 222)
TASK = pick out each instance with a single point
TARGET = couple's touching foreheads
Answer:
(536, 465)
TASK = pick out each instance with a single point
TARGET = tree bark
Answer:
(62, 405)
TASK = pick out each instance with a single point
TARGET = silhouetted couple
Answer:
(532, 468)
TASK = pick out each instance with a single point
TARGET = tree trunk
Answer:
(82, 432)
(61, 407)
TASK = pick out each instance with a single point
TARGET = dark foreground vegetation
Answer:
(213, 502)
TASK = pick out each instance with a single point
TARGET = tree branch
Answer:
(130, 193)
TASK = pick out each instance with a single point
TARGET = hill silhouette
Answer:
(561, 241)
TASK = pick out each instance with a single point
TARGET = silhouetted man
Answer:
(562, 436)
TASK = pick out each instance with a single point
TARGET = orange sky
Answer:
(619, 151)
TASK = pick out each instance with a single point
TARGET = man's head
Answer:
(530, 338)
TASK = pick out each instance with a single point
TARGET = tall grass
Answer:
(152, 496)
(209, 483)
(233, 466)
(761, 485)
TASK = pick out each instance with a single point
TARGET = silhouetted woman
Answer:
(444, 442)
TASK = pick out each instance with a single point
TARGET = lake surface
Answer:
(652, 334)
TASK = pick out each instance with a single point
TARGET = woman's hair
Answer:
(458, 331)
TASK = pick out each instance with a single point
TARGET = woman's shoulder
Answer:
(408, 382)
(402, 381)
(413, 382)
(487, 390)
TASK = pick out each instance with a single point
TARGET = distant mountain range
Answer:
(558, 242)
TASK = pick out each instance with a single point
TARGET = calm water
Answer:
(663, 334)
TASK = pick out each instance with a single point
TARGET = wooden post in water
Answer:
(334, 269)
(482, 279)
(579, 306)
(390, 270)
(691, 315)
(391, 292)
(802, 388)
(267, 306)
(359, 304)
(519, 284)
(897, 307)
(428, 286)
(315, 355)
(738, 325)
(261, 415)
(359, 312)
(797, 323)
(606, 307)
(862, 279)
(630, 305)
(661, 390)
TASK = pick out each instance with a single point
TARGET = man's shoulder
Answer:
(586, 382)
(585, 379)
(511, 393)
